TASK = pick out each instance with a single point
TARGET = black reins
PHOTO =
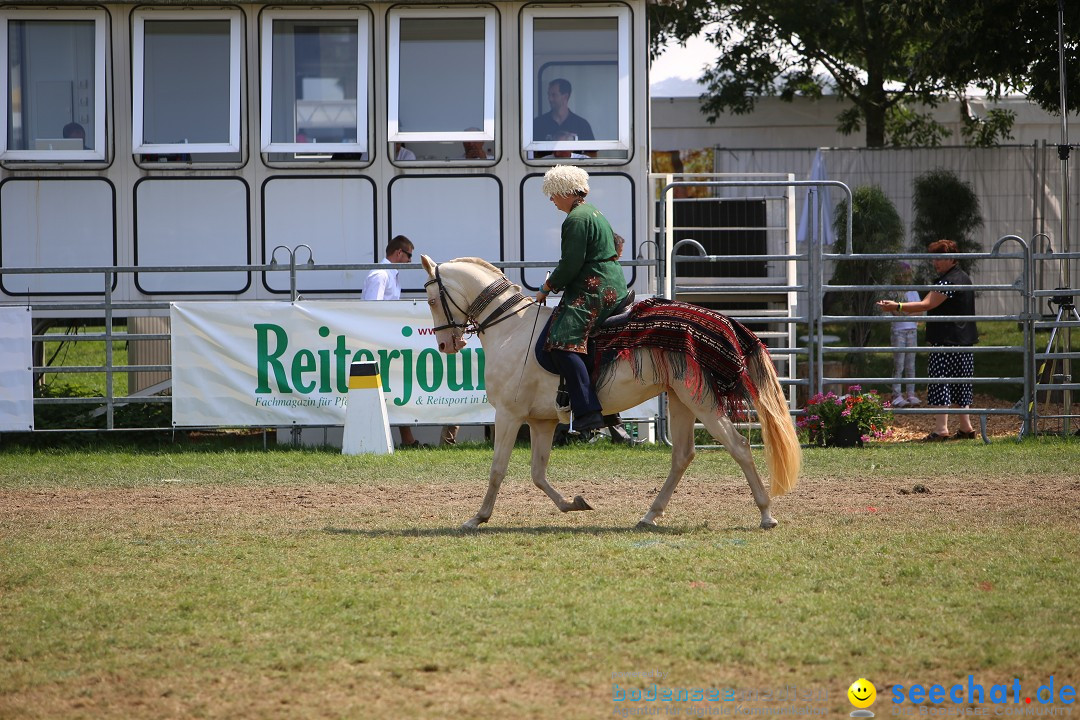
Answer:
(470, 325)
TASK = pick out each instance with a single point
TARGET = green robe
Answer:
(590, 278)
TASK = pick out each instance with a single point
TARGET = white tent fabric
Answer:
(816, 215)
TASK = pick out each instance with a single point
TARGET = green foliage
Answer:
(946, 207)
(827, 414)
(59, 416)
(907, 128)
(987, 131)
(886, 58)
(876, 227)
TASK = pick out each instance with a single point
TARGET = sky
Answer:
(675, 72)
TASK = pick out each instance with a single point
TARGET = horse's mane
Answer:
(479, 261)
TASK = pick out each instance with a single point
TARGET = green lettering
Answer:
(480, 368)
(324, 363)
(466, 370)
(341, 365)
(303, 361)
(267, 359)
(385, 356)
(429, 370)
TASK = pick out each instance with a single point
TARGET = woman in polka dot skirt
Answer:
(951, 301)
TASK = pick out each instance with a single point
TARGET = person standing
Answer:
(592, 285)
(951, 300)
(559, 119)
(383, 284)
(904, 334)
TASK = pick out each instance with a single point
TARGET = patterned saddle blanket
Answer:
(705, 349)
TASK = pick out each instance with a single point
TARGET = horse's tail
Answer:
(783, 455)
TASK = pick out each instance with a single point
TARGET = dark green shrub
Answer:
(946, 208)
(876, 227)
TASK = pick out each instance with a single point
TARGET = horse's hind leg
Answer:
(721, 428)
(681, 426)
(540, 434)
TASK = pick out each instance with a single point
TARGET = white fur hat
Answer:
(565, 180)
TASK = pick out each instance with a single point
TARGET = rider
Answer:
(592, 283)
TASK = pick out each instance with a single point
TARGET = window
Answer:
(186, 77)
(441, 82)
(575, 83)
(315, 84)
(54, 85)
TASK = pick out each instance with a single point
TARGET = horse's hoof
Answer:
(472, 524)
(768, 524)
(580, 504)
(646, 525)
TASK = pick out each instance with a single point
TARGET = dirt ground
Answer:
(909, 428)
(319, 507)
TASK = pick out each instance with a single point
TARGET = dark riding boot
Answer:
(593, 420)
(583, 400)
(618, 432)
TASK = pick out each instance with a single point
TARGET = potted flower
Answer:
(847, 420)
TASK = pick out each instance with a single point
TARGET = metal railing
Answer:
(801, 337)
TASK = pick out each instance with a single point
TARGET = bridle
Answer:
(469, 324)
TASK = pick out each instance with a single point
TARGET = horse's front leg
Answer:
(540, 434)
(506, 430)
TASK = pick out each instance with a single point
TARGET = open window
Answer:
(575, 82)
(54, 84)
(441, 84)
(315, 84)
(186, 76)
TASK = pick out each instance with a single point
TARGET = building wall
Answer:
(678, 124)
(169, 207)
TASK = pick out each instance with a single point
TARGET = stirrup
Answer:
(562, 403)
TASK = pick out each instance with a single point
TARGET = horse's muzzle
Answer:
(456, 343)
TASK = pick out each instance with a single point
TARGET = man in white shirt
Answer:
(383, 284)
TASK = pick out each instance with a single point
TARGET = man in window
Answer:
(474, 149)
(75, 131)
(383, 284)
(559, 119)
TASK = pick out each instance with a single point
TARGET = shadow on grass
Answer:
(535, 530)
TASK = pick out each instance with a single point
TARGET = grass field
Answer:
(167, 582)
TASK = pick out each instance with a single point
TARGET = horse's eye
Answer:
(430, 301)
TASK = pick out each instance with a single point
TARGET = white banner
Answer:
(276, 363)
(16, 376)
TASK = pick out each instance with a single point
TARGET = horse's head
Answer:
(462, 297)
(445, 301)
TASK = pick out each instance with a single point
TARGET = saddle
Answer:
(543, 358)
(616, 319)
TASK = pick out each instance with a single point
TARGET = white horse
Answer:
(471, 295)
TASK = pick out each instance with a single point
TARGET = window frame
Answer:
(363, 71)
(100, 18)
(393, 72)
(622, 14)
(138, 62)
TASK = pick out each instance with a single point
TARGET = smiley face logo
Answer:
(862, 693)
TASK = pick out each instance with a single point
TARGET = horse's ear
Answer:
(429, 265)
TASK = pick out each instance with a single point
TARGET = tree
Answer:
(946, 208)
(876, 227)
(888, 58)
